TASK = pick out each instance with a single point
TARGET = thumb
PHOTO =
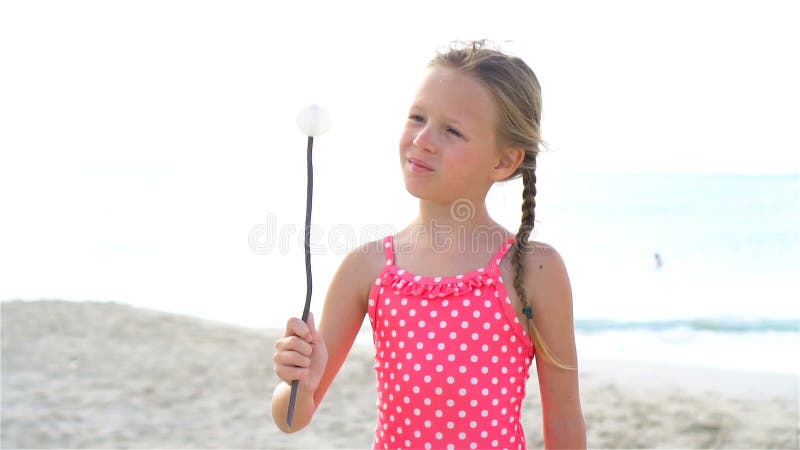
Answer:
(312, 328)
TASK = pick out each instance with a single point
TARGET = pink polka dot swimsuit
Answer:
(451, 359)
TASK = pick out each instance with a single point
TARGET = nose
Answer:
(425, 140)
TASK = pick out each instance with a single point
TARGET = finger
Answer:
(291, 373)
(312, 327)
(292, 359)
(294, 344)
(296, 327)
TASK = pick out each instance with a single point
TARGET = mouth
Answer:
(418, 166)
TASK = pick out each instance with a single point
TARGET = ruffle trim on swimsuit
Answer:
(405, 283)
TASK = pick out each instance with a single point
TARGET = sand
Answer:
(107, 375)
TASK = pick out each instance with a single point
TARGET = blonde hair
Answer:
(518, 98)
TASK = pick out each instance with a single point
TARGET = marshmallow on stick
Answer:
(313, 121)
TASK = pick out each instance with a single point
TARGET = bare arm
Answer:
(546, 274)
(315, 356)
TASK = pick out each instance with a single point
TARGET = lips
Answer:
(419, 163)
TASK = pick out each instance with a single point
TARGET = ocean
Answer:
(722, 291)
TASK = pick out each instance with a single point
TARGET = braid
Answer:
(521, 243)
(523, 246)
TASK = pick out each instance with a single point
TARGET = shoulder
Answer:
(361, 265)
(545, 276)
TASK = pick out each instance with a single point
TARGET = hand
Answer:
(301, 354)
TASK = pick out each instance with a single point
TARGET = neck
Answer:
(462, 221)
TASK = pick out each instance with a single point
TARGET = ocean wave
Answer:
(718, 325)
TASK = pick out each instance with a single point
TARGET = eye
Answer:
(416, 118)
(455, 132)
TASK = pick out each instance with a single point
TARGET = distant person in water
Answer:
(659, 263)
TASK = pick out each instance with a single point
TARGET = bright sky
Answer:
(141, 141)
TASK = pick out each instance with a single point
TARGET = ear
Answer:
(507, 162)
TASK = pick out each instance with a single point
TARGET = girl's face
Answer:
(448, 147)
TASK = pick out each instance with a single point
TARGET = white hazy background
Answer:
(142, 142)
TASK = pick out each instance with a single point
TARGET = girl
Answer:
(453, 343)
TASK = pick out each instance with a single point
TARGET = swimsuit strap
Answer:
(388, 248)
(388, 245)
(504, 248)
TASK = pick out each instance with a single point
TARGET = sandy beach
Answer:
(107, 375)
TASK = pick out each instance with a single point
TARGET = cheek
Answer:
(407, 137)
(462, 161)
